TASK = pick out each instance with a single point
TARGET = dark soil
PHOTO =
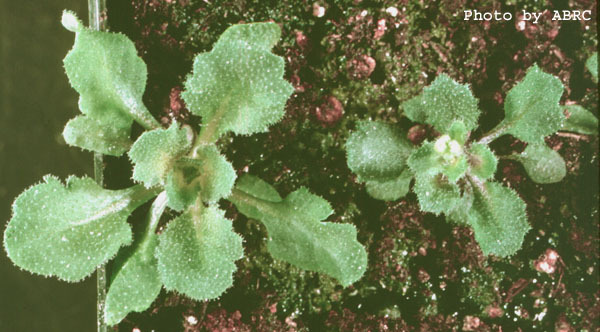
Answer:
(358, 61)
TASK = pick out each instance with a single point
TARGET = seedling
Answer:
(454, 174)
(69, 230)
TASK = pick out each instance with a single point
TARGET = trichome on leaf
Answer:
(68, 231)
(453, 174)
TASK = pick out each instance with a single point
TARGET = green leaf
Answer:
(68, 231)
(444, 156)
(390, 190)
(482, 161)
(135, 286)
(377, 151)
(532, 109)
(154, 153)
(498, 219)
(135, 282)
(442, 103)
(209, 176)
(260, 190)
(296, 233)
(543, 164)
(458, 132)
(435, 193)
(107, 136)
(425, 160)
(238, 86)
(415, 109)
(580, 121)
(456, 170)
(105, 70)
(592, 65)
(460, 213)
(197, 253)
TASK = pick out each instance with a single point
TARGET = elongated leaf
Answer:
(592, 65)
(135, 283)
(532, 109)
(498, 219)
(580, 121)
(482, 161)
(435, 193)
(543, 164)
(68, 231)
(197, 254)
(209, 175)
(238, 86)
(296, 233)
(105, 70)
(390, 190)
(442, 103)
(155, 152)
(377, 151)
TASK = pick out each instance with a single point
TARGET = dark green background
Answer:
(35, 103)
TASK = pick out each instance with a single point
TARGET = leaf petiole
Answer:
(260, 204)
(153, 218)
(491, 135)
(208, 133)
(139, 112)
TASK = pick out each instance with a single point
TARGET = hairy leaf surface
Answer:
(239, 85)
(580, 121)
(209, 175)
(458, 132)
(425, 160)
(135, 282)
(456, 170)
(498, 219)
(68, 231)
(105, 70)
(460, 213)
(135, 285)
(105, 135)
(154, 153)
(543, 165)
(482, 161)
(390, 190)
(296, 233)
(197, 254)
(532, 109)
(442, 103)
(377, 151)
(435, 193)
(416, 109)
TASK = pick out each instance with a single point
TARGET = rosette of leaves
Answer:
(68, 230)
(454, 174)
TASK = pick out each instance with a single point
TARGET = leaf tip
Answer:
(70, 21)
